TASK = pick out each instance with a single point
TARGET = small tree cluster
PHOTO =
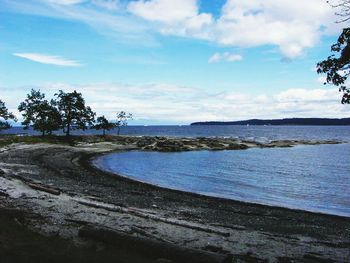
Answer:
(122, 119)
(67, 111)
(40, 113)
(103, 124)
(5, 115)
(74, 113)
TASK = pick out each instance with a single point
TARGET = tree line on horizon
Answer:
(67, 111)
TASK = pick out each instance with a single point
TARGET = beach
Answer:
(49, 188)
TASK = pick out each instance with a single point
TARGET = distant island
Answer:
(288, 121)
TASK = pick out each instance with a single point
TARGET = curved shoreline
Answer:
(97, 162)
(189, 220)
(89, 164)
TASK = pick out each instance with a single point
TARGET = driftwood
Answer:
(151, 248)
(140, 213)
(142, 232)
(44, 188)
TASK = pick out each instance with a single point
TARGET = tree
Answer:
(4, 116)
(337, 66)
(75, 114)
(122, 119)
(39, 113)
(344, 9)
(103, 124)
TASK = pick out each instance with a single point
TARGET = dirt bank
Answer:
(106, 215)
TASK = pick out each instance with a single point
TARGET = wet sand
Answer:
(64, 198)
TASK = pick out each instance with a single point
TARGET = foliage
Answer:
(39, 113)
(4, 116)
(75, 114)
(103, 124)
(337, 67)
(122, 119)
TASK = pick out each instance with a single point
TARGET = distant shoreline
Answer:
(279, 122)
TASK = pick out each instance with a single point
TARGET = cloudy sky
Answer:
(173, 61)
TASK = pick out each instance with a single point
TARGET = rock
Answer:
(215, 145)
(237, 146)
(170, 146)
(166, 144)
(146, 141)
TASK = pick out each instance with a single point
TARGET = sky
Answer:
(173, 61)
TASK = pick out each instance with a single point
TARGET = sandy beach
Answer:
(50, 192)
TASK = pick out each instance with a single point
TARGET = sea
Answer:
(311, 178)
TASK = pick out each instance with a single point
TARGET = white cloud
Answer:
(288, 24)
(291, 25)
(48, 59)
(180, 17)
(322, 79)
(164, 10)
(167, 103)
(228, 57)
(303, 95)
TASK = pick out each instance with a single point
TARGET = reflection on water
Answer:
(313, 178)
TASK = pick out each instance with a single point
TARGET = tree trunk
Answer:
(104, 132)
(118, 130)
(68, 129)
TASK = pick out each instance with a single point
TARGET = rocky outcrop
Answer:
(167, 144)
(160, 143)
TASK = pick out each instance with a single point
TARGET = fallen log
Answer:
(140, 213)
(142, 232)
(43, 188)
(151, 248)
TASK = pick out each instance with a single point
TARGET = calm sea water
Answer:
(312, 178)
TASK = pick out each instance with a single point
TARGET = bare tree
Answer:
(343, 9)
(122, 120)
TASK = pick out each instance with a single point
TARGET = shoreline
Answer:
(93, 200)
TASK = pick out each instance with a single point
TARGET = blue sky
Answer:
(172, 61)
